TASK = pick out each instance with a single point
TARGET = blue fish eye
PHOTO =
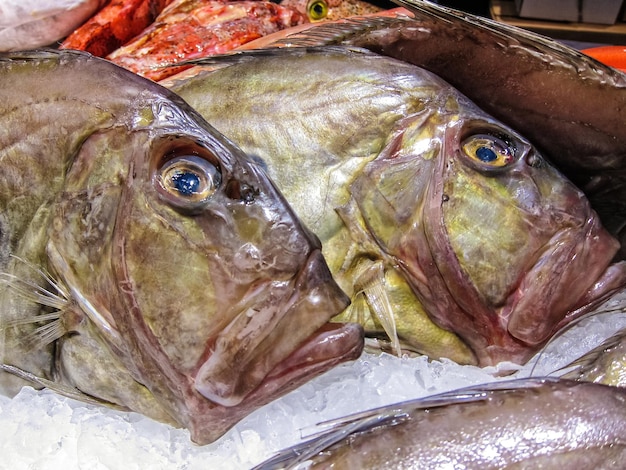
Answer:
(485, 154)
(187, 183)
(489, 150)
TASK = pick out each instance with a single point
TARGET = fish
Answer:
(27, 24)
(146, 263)
(186, 29)
(605, 364)
(449, 231)
(570, 105)
(114, 25)
(332, 10)
(531, 423)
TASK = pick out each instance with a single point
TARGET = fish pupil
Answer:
(485, 154)
(186, 183)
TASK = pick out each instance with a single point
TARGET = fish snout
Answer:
(284, 318)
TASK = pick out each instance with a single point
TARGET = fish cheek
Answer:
(170, 279)
(486, 232)
(106, 378)
(390, 197)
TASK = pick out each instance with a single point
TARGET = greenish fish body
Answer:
(146, 262)
(516, 425)
(448, 230)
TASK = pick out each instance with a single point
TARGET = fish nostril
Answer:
(240, 192)
(533, 160)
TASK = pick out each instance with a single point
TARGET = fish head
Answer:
(498, 246)
(331, 10)
(188, 266)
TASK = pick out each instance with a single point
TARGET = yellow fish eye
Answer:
(489, 150)
(187, 181)
(317, 10)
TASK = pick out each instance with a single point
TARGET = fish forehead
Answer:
(75, 100)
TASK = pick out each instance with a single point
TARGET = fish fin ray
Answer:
(64, 390)
(47, 293)
(576, 59)
(581, 364)
(338, 31)
(569, 370)
(386, 415)
(237, 57)
(370, 280)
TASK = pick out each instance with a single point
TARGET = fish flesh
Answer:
(426, 206)
(146, 262)
(26, 24)
(122, 20)
(531, 423)
(572, 107)
(187, 29)
(113, 26)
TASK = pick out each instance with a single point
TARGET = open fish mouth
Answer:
(279, 336)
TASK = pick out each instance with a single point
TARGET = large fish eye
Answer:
(489, 150)
(317, 10)
(187, 180)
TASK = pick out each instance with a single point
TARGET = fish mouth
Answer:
(565, 294)
(286, 331)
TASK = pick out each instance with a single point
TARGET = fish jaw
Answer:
(244, 353)
(332, 344)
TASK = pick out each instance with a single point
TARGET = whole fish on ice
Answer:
(427, 207)
(146, 262)
(26, 24)
(529, 424)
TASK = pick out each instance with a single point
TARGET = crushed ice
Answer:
(41, 430)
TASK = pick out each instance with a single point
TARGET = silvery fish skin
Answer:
(516, 425)
(425, 204)
(25, 24)
(146, 261)
(572, 107)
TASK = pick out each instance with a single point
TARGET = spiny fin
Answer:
(56, 297)
(581, 365)
(425, 10)
(69, 392)
(237, 57)
(370, 281)
(386, 415)
(570, 370)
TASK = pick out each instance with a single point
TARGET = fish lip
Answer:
(250, 349)
(332, 343)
